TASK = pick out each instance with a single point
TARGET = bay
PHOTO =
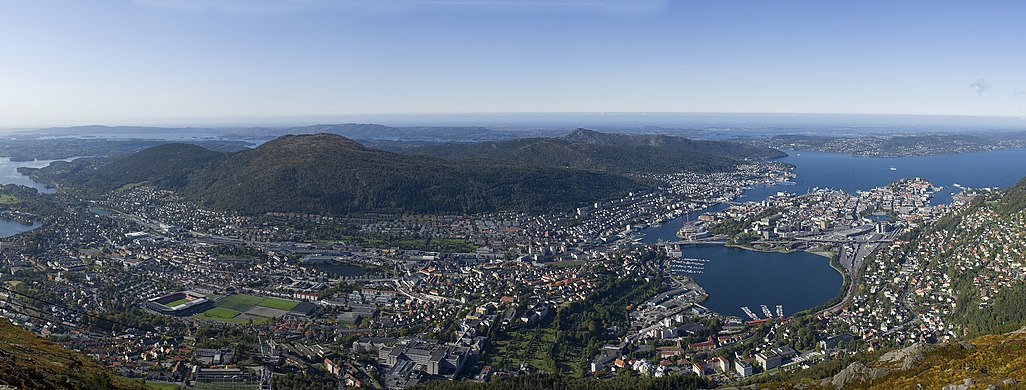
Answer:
(9, 173)
(1000, 168)
(798, 281)
(668, 230)
(736, 277)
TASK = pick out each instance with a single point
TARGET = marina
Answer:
(687, 266)
(749, 313)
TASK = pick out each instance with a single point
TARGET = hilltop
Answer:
(606, 152)
(988, 362)
(331, 174)
(167, 165)
(30, 362)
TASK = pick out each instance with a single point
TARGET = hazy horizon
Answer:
(559, 120)
(236, 62)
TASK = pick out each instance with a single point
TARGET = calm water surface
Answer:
(339, 269)
(9, 228)
(1000, 168)
(9, 173)
(736, 277)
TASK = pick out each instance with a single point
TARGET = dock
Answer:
(749, 312)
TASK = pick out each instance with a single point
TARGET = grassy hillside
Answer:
(29, 362)
(995, 360)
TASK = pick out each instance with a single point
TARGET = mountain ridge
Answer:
(607, 152)
(331, 174)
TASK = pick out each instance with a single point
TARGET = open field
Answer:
(219, 313)
(164, 386)
(244, 302)
(280, 304)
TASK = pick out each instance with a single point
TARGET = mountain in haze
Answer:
(358, 131)
(362, 131)
(30, 362)
(606, 152)
(733, 150)
(331, 174)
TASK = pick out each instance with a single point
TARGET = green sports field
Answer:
(176, 303)
(219, 313)
(243, 302)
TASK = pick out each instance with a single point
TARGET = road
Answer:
(852, 256)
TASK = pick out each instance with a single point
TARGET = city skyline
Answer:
(167, 62)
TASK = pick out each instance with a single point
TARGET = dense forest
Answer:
(167, 165)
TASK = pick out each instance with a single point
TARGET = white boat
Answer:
(893, 168)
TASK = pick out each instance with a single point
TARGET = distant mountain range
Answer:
(606, 152)
(358, 131)
(896, 145)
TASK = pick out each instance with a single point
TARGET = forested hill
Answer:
(331, 174)
(1013, 200)
(29, 362)
(604, 152)
(167, 165)
(734, 150)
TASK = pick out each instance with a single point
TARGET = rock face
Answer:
(906, 358)
(856, 372)
(902, 359)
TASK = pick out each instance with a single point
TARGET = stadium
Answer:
(179, 303)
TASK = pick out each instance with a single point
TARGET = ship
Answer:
(766, 311)
(893, 168)
(780, 311)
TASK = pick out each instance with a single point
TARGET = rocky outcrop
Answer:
(906, 358)
(854, 373)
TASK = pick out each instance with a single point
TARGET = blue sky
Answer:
(181, 61)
